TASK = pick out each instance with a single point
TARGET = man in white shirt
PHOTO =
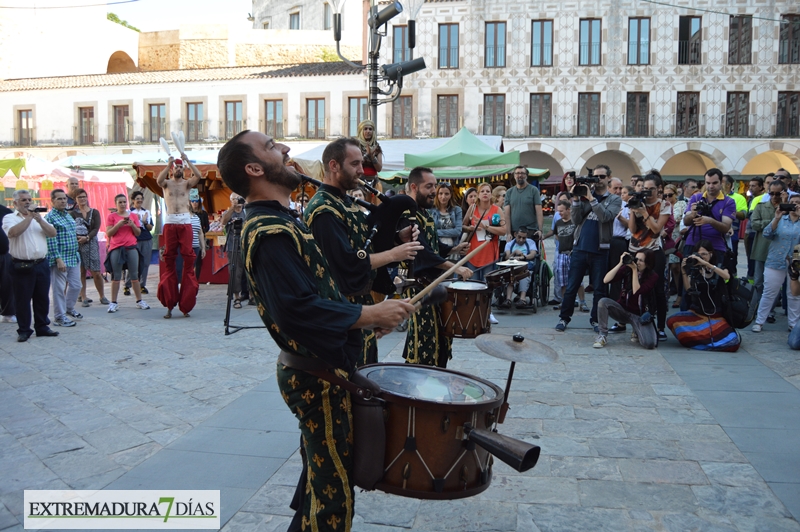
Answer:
(27, 239)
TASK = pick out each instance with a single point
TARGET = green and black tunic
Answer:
(306, 315)
(340, 228)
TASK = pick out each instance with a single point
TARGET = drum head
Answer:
(467, 285)
(512, 262)
(425, 383)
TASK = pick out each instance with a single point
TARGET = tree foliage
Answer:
(114, 18)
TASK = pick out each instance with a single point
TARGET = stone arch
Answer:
(120, 62)
(710, 151)
(547, 149)
(637, 158)
(786, 149)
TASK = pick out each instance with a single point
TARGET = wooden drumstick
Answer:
(447, 274)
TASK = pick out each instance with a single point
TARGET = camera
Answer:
(692, 263)
(703, 207)
(240, 201)
(40, 209)
(637, 199)
(795, 264)
(787, 207)
(581, 182)
(627, 258)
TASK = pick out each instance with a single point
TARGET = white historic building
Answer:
(633, 84)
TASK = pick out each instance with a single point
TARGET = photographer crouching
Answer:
(636, 298)
(794, 288)
(704, 326)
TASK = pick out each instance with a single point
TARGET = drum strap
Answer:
(323, 370)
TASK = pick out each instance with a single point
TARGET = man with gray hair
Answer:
(72, 188)
(27, 240)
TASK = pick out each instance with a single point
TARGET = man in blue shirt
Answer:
(593, 212)
(64, 261)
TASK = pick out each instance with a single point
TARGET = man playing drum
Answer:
(425, 343)
(340, 228)
(305, 314)
(177, 233)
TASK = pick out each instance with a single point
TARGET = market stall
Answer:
(465, 160)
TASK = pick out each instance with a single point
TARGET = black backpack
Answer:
(736, 303)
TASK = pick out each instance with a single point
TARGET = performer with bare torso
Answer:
(177, 234)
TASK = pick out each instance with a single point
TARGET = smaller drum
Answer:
(507, 275)
(465, 314)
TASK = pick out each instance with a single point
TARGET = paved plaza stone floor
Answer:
(661, 440)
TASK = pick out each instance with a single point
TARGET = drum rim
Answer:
(480, 286)
(427, 404)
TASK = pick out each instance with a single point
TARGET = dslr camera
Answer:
(627, 258)
(240, 201)
(581, 182)
(703, 207)
(637, 199)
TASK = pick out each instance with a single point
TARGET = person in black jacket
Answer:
(6, 292)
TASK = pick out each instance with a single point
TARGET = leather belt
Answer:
(23, 261)
(323, 370)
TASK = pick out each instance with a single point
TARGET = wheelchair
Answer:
(536, 270)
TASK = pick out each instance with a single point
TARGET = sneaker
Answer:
(86, 304)
(662, 336)
(103, 301)
(583, 307)
(8, 319)
(617, 328)
(595, 326)
(554, 301)
(492, 319)
(127, 291)
(141, 304)
(64, 322)
(756, 327)
(75, 314)
(634, 337)
(88, 300)
(144, 290)
(600, 342)
(112, 307)
(771, 317)
(562, 326)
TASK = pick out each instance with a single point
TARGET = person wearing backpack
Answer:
(704, 326)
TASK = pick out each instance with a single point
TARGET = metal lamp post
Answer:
(391, 74)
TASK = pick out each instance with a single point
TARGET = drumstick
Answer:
(447, 274)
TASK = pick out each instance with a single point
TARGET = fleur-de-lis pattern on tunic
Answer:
(426, 343)
(356, 221)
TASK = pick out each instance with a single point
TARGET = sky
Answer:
(157, 15)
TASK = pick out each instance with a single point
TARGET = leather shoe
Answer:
(23, 337)
(47, 332)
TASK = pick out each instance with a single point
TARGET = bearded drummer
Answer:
(340, 228)
(425, 342)
(304, 312)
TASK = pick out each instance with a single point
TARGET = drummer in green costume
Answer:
(340, 228)
(426, 343)
(308, 319)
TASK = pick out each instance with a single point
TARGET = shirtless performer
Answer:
(177, 233)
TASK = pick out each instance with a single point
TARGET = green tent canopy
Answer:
(15, 165)
(464, 157)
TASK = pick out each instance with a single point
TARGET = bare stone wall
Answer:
(159, 57)
(203, 53)
(260, 54)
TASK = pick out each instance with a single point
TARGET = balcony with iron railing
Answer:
(689, 52)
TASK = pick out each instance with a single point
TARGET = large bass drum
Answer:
(426, 453)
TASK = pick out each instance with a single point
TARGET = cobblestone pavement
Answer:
(628, 437)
